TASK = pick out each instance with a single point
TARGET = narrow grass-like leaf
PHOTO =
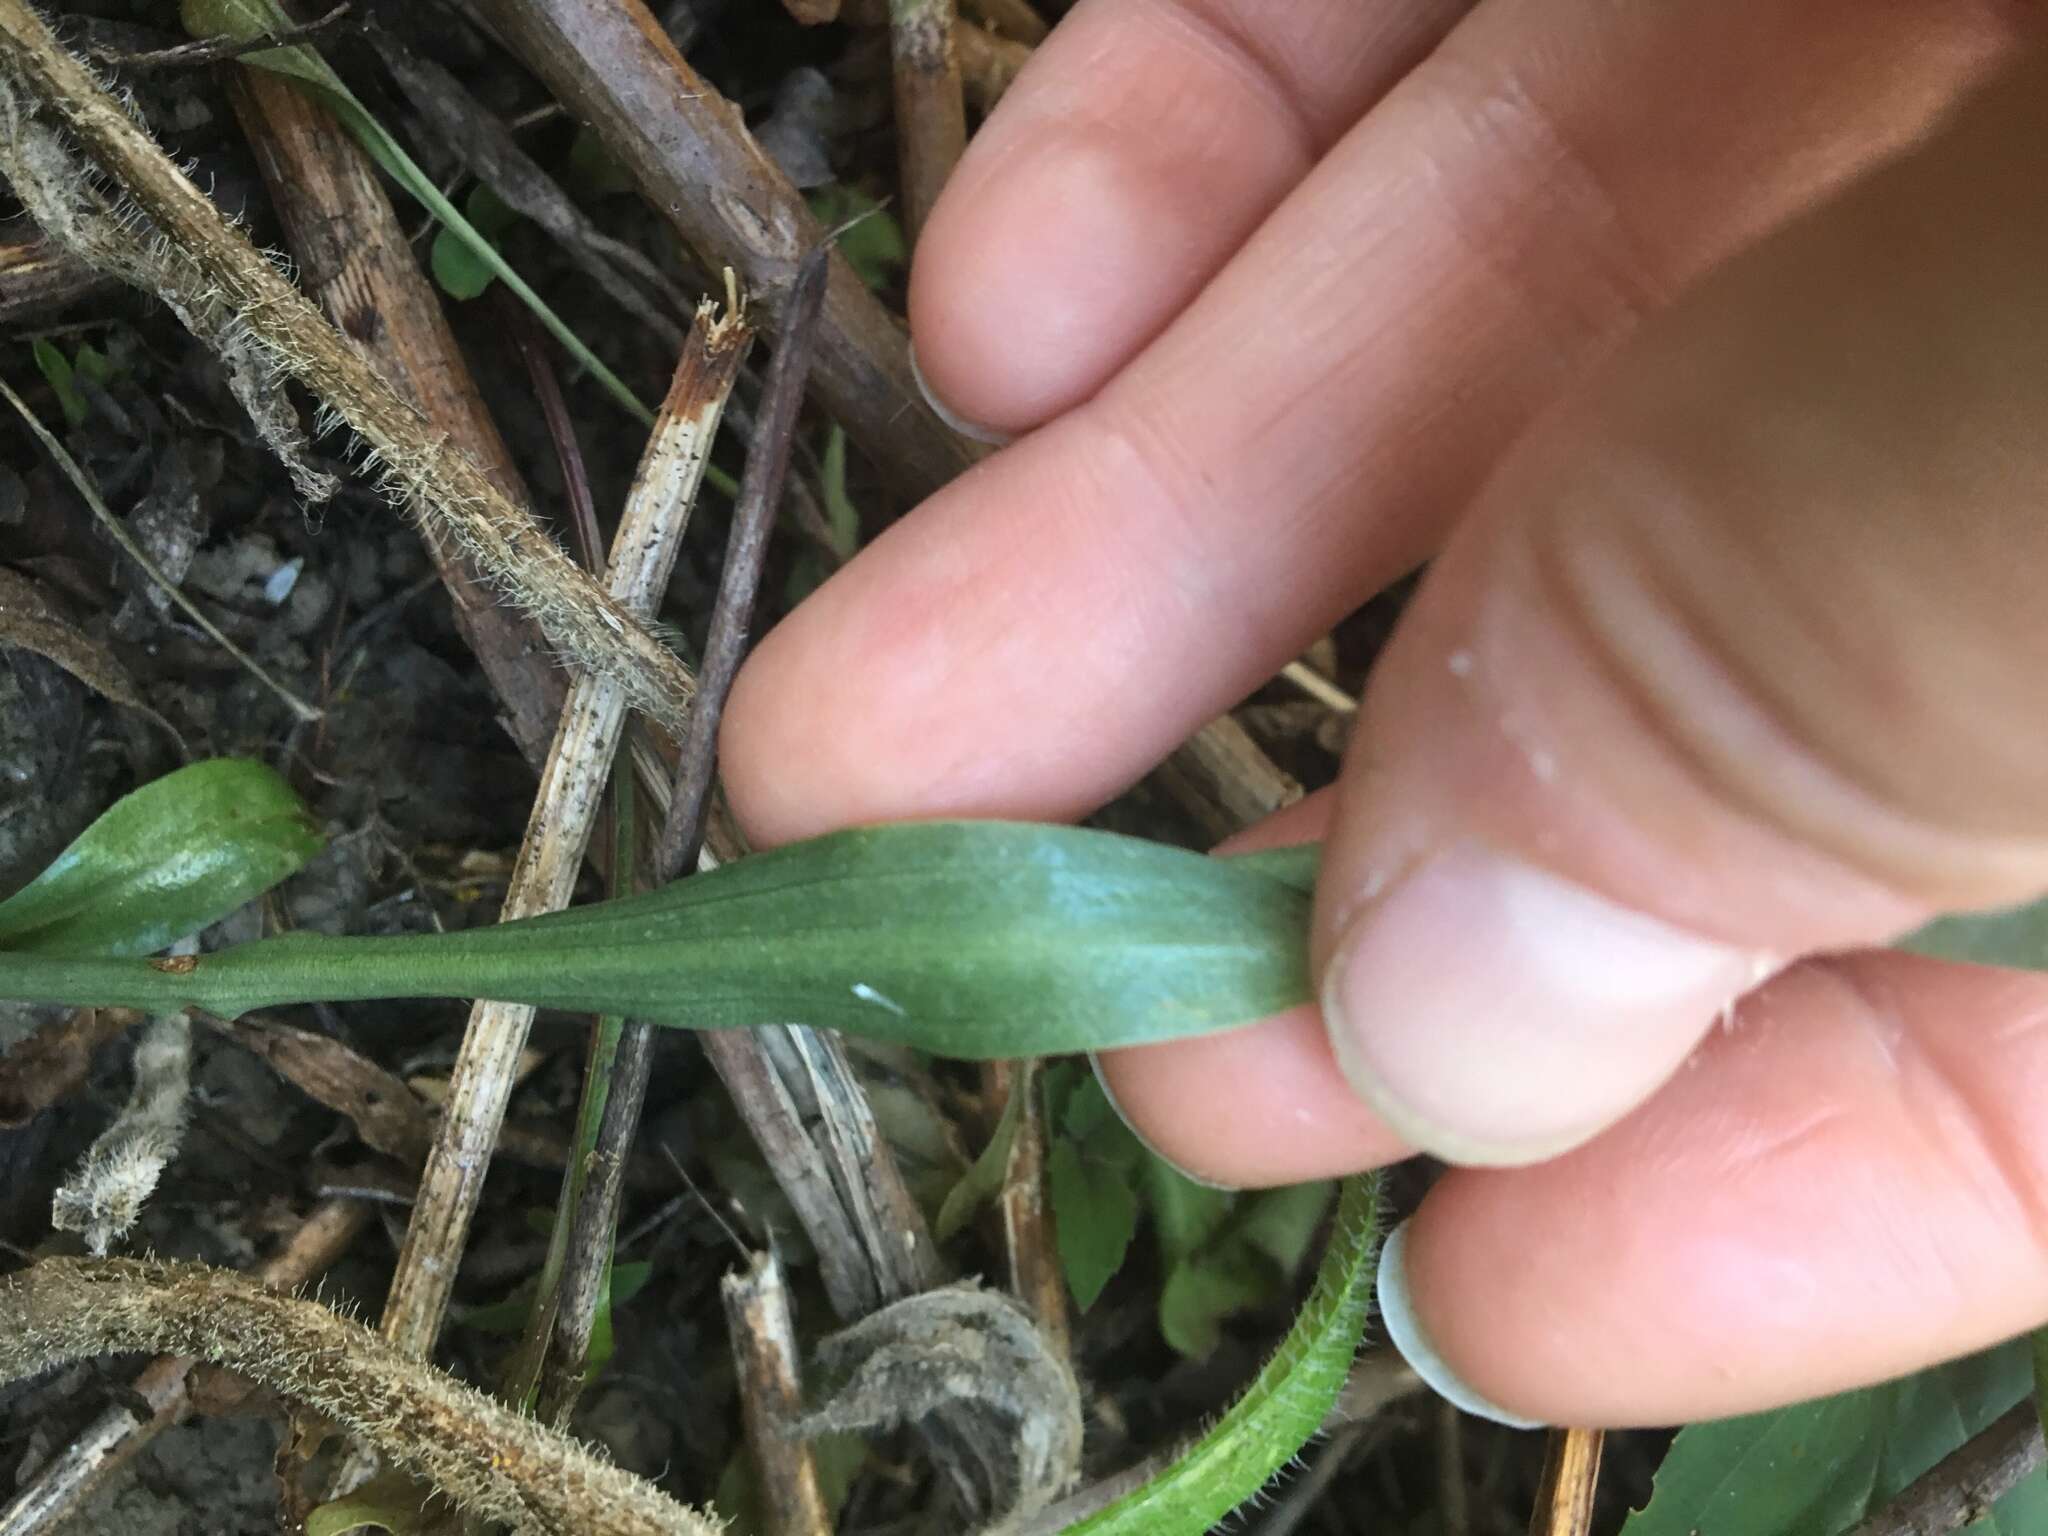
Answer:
(1281, 1410)
(180, 852)
(969, 939)
(245, 20)
(2014, 936)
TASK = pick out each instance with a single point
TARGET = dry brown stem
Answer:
(165, 1386)
(38, 276)
(988, 64)
(1960, 1489)
(564, 812)
(479, 1453)
(771, 1400)
(1016, 19)
(611, 64)
(419, 464)
(1036, 1275)
(353, 259)
(1571, 1479)
(931, 112)
(1223, 778)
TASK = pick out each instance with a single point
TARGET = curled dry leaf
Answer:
(962, 1345)
(31, 620)
(386, 1113)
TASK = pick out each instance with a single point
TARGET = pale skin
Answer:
(1703, 350)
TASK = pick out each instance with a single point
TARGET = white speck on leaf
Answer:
(868, 994)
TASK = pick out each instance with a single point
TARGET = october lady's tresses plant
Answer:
(964, 939)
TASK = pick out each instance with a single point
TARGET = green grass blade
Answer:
(247, 19)
(968, 939)
(1281, 1411)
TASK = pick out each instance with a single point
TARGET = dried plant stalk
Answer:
(1225, 780)
(419, 466)
(988, 64)
(613, 66)
(165, 1386)
(772, 1400)
(356, 264)
(931, 113)
(485, 1457)
(564, 811)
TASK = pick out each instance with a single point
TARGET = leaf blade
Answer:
(177, 854)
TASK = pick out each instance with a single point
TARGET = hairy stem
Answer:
(484, 1456)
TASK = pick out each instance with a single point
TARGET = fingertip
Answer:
(1249, 1108)
(1397, 1298)
(1040, 270)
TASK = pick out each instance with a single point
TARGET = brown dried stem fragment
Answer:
(1960, 1489)
(931, 113)
(611, 64)
(1571, 1479)
(1017, 19)
(564, 813)
(1225, 780)
(771, 1400)
(988, 64)
(420, 465)
(1036, 1275)
(485, 1457)
(682, 835)
(354, 261)
(165, 1387)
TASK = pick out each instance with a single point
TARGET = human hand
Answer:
(1731, 658)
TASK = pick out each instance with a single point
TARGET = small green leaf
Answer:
(179, 853)
(871, 239)
(984, 1180)
(1282, 1409)
(1202, 1290)
(56, 370)
(391, 1501)
(247, 19)
(840, 511)
(2013, 936)
(1185, 1215)
(1094, 1214)
(456, 266)
(1818, 1468)
(1282, 1223)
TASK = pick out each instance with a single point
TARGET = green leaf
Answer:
(871, 239)
(1185, 1215)
(840, 511)
(1816, 1469)
(391, 1501)
(56, 371)
(1282, 1223)
(456, 266)
(1094, 1214)
(984, 1180)
(1283, 1408)
(2014, 936)
(177, 854)
(244, 20)
(968, 939)
(1203, 1290)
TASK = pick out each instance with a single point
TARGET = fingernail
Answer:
(1404, 1332)
(1109, 1093)
(1493, 1013)
(960, 424)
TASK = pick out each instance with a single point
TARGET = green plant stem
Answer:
(1281, 1410)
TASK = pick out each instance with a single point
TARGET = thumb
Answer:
(1739, 656)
